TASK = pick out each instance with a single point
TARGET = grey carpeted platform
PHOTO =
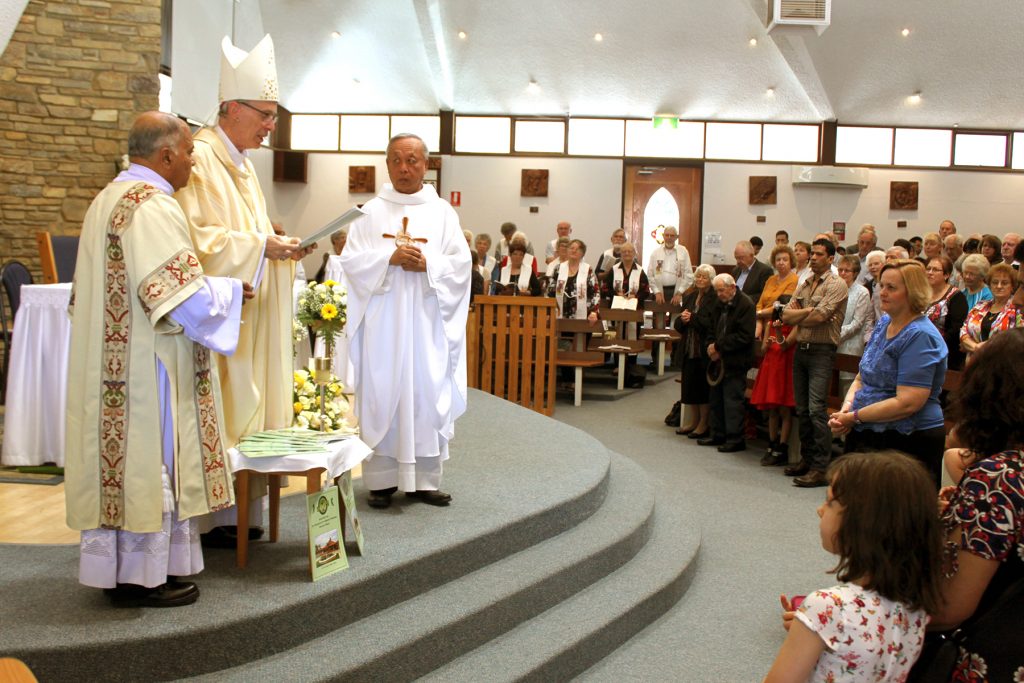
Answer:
(547, 527)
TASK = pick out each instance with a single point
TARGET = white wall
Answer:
(588, 193)
(975, 201)
(585, 192)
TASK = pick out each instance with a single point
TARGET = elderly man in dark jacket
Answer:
(731, 341)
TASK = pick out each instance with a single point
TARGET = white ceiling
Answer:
(692, 58)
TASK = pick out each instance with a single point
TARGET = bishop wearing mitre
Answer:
(234, 237)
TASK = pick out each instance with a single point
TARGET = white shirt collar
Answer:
(237, 158)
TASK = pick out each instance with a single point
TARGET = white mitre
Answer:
(248, 75)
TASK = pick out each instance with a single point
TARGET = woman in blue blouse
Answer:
(894, 400)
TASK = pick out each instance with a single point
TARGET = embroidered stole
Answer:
(581, 288)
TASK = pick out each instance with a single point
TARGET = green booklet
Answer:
(349, 497)
(326, 549)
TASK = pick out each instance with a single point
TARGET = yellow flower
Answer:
(298, 407)
(329, 312)
(329, 283)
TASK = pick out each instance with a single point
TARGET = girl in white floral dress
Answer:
(879, 517)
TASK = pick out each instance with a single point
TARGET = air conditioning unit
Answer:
(814, 13)
(852, 177)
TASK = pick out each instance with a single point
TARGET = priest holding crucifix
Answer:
(407, 267)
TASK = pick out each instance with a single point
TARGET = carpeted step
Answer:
(569, 638)
(410, 639)
(517, 477)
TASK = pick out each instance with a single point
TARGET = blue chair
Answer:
(13, 275)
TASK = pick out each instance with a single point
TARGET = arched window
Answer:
(661, 211)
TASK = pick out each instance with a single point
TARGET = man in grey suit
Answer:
(750, 274)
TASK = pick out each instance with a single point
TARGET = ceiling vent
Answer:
(814, 13)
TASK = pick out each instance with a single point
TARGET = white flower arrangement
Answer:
(306, 403)
(323, 307)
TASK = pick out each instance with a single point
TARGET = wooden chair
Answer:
(57, 256)
(577, 357)
(661, 331)
(15, 671)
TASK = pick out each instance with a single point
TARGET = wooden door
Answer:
(683, 183)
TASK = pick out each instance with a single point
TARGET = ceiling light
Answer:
(598, 37)
(770, 92)
(753, 42)
(532, 87)
(905, 32)
(915, 98)
(335, 34)
(462, 35)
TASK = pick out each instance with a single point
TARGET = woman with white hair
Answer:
(693, 324)
(975, 272)
(874, 261)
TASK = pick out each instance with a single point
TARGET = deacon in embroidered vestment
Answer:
(233, 237)
(145, 453)
(407, 267)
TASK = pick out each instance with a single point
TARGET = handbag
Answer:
(941, 652)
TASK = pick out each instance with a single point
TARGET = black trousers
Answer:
(925, 446)
(727, 410)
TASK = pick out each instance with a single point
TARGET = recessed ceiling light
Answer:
(335, 34)
(462, 35)
(905, 32)
(533, 87)
(770, 92)
(753, 42)
(914, 99)
(598, 37)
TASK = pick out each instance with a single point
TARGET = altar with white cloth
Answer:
(37, 383)
(340, 457)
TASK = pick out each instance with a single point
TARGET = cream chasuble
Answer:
(135, 264)
(227, 215)
(406, 329)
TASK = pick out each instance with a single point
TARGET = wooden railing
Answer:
(511, 346)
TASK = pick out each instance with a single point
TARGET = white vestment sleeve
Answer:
(212, 315)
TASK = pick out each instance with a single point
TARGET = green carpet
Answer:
(46, 475)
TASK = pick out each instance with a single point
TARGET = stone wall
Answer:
(72, 79)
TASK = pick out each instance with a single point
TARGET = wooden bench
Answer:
(578, 357)
(619, 318)
(660, 332)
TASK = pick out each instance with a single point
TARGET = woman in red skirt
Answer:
(773, 388)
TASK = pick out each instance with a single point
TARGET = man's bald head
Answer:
(163, 143)
(153, 130)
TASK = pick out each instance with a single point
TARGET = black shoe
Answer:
(711, 441)
(439, 498)
(732, 447)
(381, 498)
(672, 419)
(798, 470)
(811, 480)
(774, 459)
(684, 431)
(178, 594)
(227, 537)
(699, 435)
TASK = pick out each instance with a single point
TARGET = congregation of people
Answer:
(907, 316)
